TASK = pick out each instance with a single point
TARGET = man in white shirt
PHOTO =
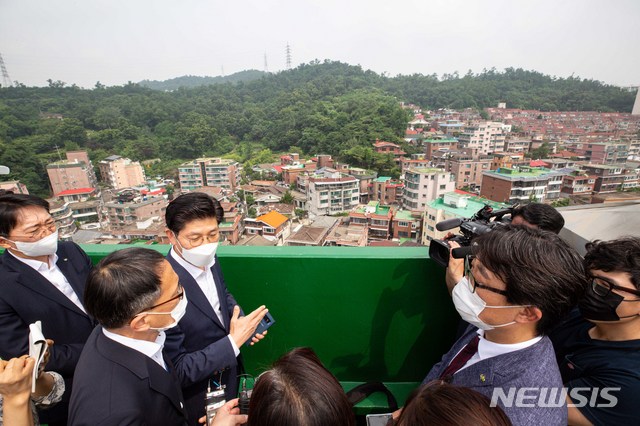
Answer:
(205, 346)
(42, 280)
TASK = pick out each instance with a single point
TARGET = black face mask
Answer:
(600, 308)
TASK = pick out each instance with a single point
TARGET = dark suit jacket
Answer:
(26, 296)
(198, 345)
(117, 385)
(532, 367)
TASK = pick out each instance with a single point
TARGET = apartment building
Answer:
(578, 183)
(485, 137)
(209, 171)
(75, 172)
(63, 215)
(507, 160)
(438, 146)
(375, 217)
(608, 178)
(386, 190)
(467, 169)
(406, 224)
(330, 192)
(422, 185)
(601, 153)
(522, 184)
(119, 172)
(130, 208)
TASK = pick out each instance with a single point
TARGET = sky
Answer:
(116, 41)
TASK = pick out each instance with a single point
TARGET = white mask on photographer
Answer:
(470, 305)
(200, 256)
(43, 247)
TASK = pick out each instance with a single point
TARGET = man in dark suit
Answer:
(205, 345)
(41, 280)
(122, 376)
(519, 284)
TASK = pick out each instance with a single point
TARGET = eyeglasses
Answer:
(473, 283)
(602, 287)
(46, 228)
(180, 295)
(198, 240)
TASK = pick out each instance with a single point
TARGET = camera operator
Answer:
(534, 215)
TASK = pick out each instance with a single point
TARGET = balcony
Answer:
(370, 313)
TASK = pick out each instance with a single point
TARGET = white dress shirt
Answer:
(204, 279)
(488, 349)
(54, 275)
(151, 349)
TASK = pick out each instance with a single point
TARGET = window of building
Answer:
(403, 224)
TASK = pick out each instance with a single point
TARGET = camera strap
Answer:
(362, 391)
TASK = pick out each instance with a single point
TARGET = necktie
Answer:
(461, 359)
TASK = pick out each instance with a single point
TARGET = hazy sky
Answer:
(115, 41)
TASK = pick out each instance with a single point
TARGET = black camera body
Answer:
(483, 221)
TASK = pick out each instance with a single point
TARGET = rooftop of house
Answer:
(273, 219)
(473, 204)
(407, 215)
(308, 234)
(77, 191)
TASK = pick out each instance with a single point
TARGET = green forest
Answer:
(322, 107)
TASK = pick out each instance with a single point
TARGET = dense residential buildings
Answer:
(73, 173)
(422, 185)
(209, 171)
(119, 172)
(522, 184)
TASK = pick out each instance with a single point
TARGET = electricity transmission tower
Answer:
(6, 80)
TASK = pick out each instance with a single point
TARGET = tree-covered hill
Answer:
(190, 81)
(327, 107)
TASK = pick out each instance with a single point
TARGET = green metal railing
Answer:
(371, 313)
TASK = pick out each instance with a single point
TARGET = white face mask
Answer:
(469, 305)
(176, 313)
(43, 247)
(200, 256)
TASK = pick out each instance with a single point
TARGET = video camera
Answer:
(480, 223)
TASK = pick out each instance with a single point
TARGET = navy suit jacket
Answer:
(117, 385)
(198, 345)
(531, 367)
(26, 297)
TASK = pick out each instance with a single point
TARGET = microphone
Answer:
(445, 225)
